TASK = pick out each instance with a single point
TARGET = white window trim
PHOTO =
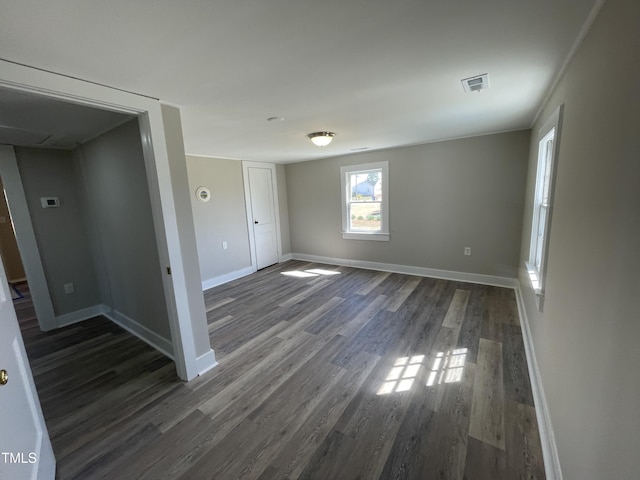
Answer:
(383, 234)
(537, 276)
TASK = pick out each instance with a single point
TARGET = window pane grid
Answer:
(542, 205)
(364, 201)
(365, 217)
(546, 179)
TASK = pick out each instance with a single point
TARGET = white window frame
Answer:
(383, 233)
(548, 149)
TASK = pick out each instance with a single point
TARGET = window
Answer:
(365, 201)
(542, 201)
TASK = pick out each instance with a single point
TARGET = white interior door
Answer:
(25, 449)
(263, 223)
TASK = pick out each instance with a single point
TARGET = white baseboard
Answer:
(547, 438)
(80, 315)
(407, 269)
(227, 277)
(143, 333)
(285, 257)
(206, 362)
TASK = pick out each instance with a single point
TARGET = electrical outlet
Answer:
(467, 251)
(68, 288)
(224, 245)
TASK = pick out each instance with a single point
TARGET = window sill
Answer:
(534, 278)
(379, 237)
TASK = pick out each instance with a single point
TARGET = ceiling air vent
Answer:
(475, 84)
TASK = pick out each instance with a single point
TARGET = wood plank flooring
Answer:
(324, 372)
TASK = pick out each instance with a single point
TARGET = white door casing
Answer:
(26, 239)
(263, 217)
(25, 448)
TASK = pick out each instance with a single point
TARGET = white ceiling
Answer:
(378, 73)
(39, 121)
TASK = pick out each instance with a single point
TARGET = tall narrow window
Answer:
(365, 201)
(542, 202)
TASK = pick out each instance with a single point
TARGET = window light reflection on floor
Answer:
(321, 271)
(299, 274)
(402, 375)
(314, 272)
(447, 367)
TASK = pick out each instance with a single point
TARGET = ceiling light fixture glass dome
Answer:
(321, 139)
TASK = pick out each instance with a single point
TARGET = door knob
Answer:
(4, 377)
(255, 221)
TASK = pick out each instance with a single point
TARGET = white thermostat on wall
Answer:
(50, 202)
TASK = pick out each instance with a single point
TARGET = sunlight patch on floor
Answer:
(299, 274)
(314, 272)
(321, 271)
(402, 376)
(447, 367)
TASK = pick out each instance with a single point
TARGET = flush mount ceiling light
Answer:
(321, 139)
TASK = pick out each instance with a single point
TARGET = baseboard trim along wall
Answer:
(547, 438)
(143, 333)
(80, 315)
(206, 362)
(227, 277)
(409, 270)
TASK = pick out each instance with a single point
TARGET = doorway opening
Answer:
(9, 251)
(160, 138)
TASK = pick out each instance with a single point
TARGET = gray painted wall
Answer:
(61, 233)
(223, 218)
(443, 197)
(586, 340)
(119, 198)
(93, 235)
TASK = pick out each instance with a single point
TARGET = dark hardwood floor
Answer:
(324, 373)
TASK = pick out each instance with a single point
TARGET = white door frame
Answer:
(165, 219)
(26, 239)
(247, 201)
